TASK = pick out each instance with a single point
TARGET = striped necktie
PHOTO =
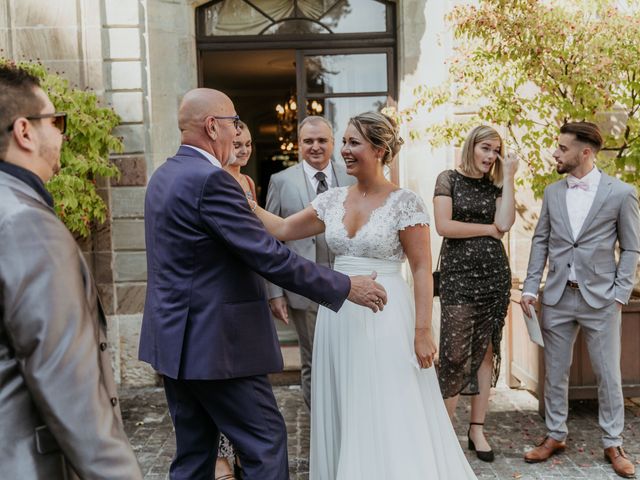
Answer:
(322, 183)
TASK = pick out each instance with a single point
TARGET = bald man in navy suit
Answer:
(206, 327)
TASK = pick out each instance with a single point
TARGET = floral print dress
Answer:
(475, 282)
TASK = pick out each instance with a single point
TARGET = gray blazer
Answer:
(59, 413)
(290, 192)
(613, 217)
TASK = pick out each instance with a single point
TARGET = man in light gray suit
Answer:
(289, 192)
(583, 217)
(59, 414)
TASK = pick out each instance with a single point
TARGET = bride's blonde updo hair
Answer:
(380, 131)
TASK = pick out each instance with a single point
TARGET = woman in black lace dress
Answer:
(474, 206)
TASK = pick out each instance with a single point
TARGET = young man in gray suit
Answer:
(583, 217)
(59, 413)
(289, 192)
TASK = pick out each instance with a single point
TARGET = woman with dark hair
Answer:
(474, 206)
(243, 147)
(376, 409)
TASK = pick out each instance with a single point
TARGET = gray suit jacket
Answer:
(290, 192)
(613, 217)
(59, 414)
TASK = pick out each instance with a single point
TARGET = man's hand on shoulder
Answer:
(367, 292)
(278, 306)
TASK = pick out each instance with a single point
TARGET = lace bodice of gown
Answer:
(379, 237)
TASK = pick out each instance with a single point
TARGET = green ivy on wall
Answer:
(85, 152)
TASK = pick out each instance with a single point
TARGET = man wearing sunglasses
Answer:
(59, 415)
(206, 326)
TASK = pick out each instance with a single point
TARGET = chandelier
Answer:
(287, 114)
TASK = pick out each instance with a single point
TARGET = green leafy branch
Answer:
(85, 152)
(531, 66)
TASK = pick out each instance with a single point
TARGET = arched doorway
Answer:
(280, 60)
(328, 57)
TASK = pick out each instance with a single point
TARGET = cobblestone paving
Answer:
(513, 426)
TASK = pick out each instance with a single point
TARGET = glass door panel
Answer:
(339, 110)
(351, 16)
(329, 74)
(344, 84)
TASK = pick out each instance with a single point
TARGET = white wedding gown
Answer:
(375, 415)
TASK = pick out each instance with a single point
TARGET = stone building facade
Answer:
(140, 56)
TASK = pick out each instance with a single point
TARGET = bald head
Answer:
(205, 121)
(199, 103)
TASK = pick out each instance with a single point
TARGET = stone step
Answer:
(291, 373)
(291, 356)
(286, 333)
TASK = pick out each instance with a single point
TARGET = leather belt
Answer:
(571, 284)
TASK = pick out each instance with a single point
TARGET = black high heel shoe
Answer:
(485, 456)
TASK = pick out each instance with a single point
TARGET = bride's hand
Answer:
(425, 347)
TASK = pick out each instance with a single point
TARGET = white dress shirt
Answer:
(207, 155)
(579, 201)
(311, 172)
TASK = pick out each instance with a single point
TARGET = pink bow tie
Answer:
(574, 183)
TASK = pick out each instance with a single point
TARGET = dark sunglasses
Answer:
(59, 120)
(235, 118)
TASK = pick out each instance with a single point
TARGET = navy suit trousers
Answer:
(244, 409)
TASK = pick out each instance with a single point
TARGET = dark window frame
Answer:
(250, 42)
(311, 44)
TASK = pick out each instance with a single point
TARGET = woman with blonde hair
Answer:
(474, 206)
(376, 409)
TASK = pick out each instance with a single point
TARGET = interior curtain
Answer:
(314, 8)
(236, 17)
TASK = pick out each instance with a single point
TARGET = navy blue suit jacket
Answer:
(206, 314)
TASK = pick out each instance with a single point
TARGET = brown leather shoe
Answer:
(620, 462)
(544, 450)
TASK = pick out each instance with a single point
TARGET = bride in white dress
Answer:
(376, 408)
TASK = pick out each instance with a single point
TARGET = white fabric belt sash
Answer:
(364, 266)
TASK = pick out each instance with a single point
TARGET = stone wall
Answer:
(98, 44)
(125, 64)
(66, 36)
